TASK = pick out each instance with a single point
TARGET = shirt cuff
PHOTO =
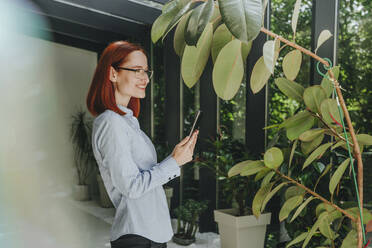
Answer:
(171, 168)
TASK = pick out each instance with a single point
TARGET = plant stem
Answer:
(356, 147)
(329, 127)
(316, 195)
(357, 153)
(294, 45)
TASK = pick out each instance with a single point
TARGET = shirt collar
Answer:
(128, 111)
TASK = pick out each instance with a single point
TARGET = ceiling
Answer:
(98, 21)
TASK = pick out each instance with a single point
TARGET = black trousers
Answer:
(135, 241)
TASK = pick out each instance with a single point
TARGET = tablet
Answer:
(196, 123)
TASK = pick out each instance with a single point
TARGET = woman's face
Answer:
(130, 83)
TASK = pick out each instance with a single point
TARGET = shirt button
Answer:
(169, 178)
(174, 176)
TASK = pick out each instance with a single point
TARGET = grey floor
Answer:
(67, 223)
(72, 224)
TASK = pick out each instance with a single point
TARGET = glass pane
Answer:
(355, 60)
(189, 179)
(159, 138)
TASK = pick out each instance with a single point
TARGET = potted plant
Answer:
(187, 221)
(85, 162)
(236, 224)
(83, 158)
(225, 29)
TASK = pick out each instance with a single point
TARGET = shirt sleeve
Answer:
(114, 145)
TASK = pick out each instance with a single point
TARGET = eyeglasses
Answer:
(139, 73)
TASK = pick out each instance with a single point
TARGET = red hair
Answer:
(101, 95)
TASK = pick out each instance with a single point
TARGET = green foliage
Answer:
(236, 23)
(242, 17)
(292, 64)
(196, 57)
(318, 119)
(197, 21)
(187, 217)
(226, 83)
(80, 134)
(225, 153)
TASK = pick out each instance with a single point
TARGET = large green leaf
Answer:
(271, 53)
(298, 124)
(298, 239)
(172, 12)
(294, 132)
(298, 119)
(329, 110)
(316, 154)
(351, 240)
(323, 37)
(197, 21)
(246, 49)
(168, 6)
(259, 198)
(260, 75)
(160, 25)
(367, 216)
(262, 174)
(271, 194)
(364, 139)
(267, 178)
(292, 64)
(273, 158)
(293, 191)
(328, 84)
(323, 207)
(310, 135)
(289, 205)
(336, 177)
(308, 147)
(252, 168)
(291, 89)
(313, 97)
(295, 14)
(292, 152)
(300, 208)
(221, 37)
(194, 59)
(325, 224)
(228, 71)
(179, 38)
(313, 230)
(242, 17)
(181, 12)
(236, 169)
(216, 18)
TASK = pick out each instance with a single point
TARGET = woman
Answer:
(125, 155)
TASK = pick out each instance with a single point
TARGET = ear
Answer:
(113, 74)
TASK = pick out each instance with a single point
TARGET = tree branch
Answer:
(316, 195)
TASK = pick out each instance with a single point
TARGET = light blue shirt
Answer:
(128, 164)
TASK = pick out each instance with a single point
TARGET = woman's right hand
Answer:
(184, 150)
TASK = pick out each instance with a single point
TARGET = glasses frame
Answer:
(138, 74)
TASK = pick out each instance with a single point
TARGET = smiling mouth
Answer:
(142, 87)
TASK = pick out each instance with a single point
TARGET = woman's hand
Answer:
(184, 150)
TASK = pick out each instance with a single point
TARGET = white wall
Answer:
(41, 85)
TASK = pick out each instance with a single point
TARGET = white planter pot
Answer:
(81, 192)
(243, 231)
